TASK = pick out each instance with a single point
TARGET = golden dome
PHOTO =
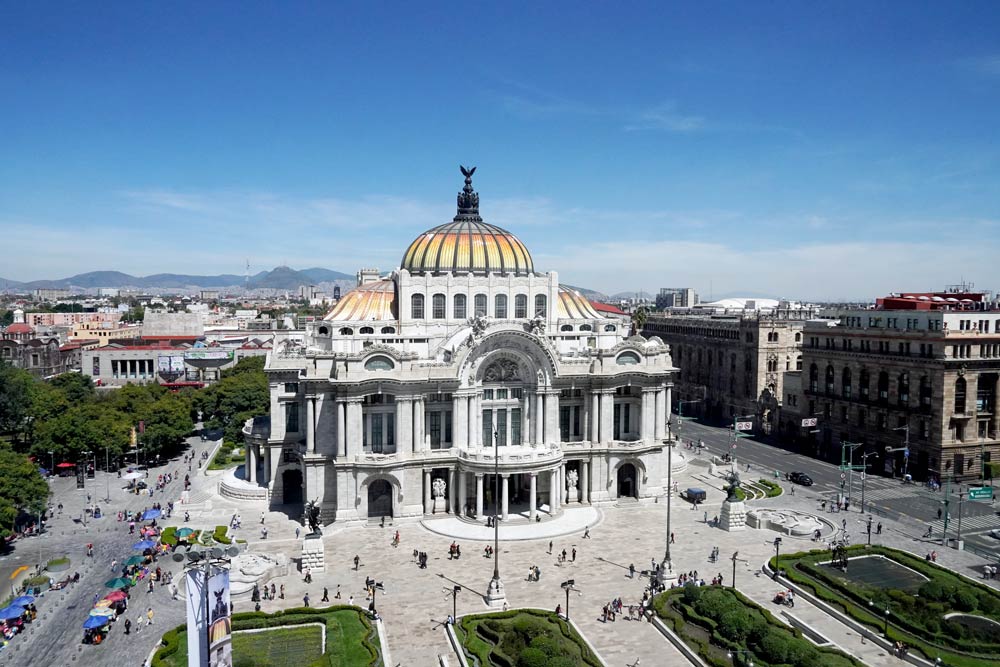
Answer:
(573, 305)
(467, 244)
(371, 301)
(468, 247)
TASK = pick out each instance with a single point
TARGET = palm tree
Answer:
(639, 319)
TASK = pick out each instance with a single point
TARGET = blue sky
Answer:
(805, 150)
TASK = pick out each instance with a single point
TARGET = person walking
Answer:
(128, 626)
(114, 564)
(305, 600)
(631, 571)
(878, 529)
(357, 562)
(574, 554)
(326, 595)
(281, 595)
(149, 616)
(550, 546)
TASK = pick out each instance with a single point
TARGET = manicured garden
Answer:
(523, 638)
(716, 621)
(918, 595)
(351, 640)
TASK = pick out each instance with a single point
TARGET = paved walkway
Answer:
(573, 520)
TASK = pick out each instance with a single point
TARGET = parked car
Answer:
(799, 478)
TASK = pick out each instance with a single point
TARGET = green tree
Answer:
(15, 399)
(21, 488)
(639, 318)
(167, 422)
(6, 318)
(241, 394)
(134, 314)
(77, 387)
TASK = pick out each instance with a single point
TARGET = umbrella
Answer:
(93, 622)
(135, 560)
(101, 604)
(22, 601)
(184, 532)
(133, 475)
(11, 612)
(118, 582)
(103, 612)
(65, 464)
(142, 545)
(148, 530)
(151, 514)
(115, 596)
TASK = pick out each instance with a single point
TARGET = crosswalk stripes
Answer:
(981, 522)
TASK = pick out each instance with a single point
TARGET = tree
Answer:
(21, 488)
(241, 394)
(15, 399)
(167, 422)
(639, 318)
(6, 318)
(77, 387)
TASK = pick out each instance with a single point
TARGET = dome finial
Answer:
(468, 199)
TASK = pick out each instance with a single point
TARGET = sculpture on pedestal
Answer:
(572, 477)
(438, 489)
(312, 517)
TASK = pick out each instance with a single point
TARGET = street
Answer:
(891, 497)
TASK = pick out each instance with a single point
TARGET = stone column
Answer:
(539, 418)
(595, 417)
(585, 481)
(477, 400)
(532, 509)
(267, 466)
(525, 436)
(355, 425)
(563, 485)
(452, 493)
(247, 470)
(404, 424)
(471, 412)
(607, 416)
(341, 427)
(552, 418)
(463, 494)
(504, 482)
(460, 422)
(553, 490)
(418, 424)
(479, 495)
(428, 507)
(648, 418)
(311, 424)
(659, 429)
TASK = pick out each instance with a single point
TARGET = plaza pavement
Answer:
(417, 601)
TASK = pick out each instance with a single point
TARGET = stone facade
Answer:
(731, 365)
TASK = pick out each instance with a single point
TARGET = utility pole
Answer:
(864, 477)
(958, 539)
(947, 501)
(847, 468)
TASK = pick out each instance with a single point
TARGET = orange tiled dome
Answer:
(467, 246)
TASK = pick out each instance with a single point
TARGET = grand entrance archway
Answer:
(628, 486)
(379, 499)
(291, 486)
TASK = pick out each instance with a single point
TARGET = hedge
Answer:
(773, 489)
(916, 620)
(220, 535)
(538, 637)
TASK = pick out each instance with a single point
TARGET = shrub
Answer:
(533, 657)
(736, 624)
(220, 535)
(775, 646)
(691, 593)
(964, 599)
(713, 603)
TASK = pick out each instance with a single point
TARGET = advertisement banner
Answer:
(163, 363)
(220, 630)
(197, 625)
(177, 364)
(209, 354)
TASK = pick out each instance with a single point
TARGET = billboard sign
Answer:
(197, 623)
(209, 627)
(214, 355)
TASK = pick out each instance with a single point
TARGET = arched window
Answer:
(830, 375)
(388, 330)
(324, 331)
(903, 388)
(379, 363)
(520, 306)
(417, 306)
(347, 331)
(883, 387)
(458, 307)
(798, 363)
(609, 327)
(845, 383)
(540, 305)
(863, 384)
(367, 331)
(500, 306)
(798, 337)
(925, 392)
(480, 305)
(586, 327)
(566, 327)
(437, 306)
(960, 396)
(627, 359)
(813, 378)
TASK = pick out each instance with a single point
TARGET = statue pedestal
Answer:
(439, 506)
(733, 516)
(495, 595)
(313, 554)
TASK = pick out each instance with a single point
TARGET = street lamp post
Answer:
(864, 477)
(906, 446)
(454, 602)
(495, 593)
(86, 459)
(885, 617)
(568, 585)
(869, 530)
(735, 557)
(107, 472)
(666, 568)
(777, 548)
(52, 463)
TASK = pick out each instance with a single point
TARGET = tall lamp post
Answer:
(568, 585)
(495, 593)
(906, 447)
(735, 558)
(107, 472)
(86, 462)
(52, 463)
(777, 548)
(666, 568)
(454, 602)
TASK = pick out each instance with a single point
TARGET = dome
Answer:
(371, 301)
(467, 244)
(467, 247)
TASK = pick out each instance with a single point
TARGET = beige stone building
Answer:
(733, 365)
(886, 378)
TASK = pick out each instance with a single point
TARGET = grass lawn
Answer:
(278, 647)
(351, 641)
(526, 637)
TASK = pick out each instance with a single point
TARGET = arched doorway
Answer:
(379, 498)
(291, 485)
(628, 486)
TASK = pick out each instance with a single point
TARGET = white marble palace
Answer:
(398, 401)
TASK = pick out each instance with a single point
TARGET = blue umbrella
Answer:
(144, 544)
(11, 612)
(94, 622)
(151, 514)
(22, 601)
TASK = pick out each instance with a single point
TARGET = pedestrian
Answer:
(350, 601)
(262, 518)
(309, 576)
(326, 595)
(138, 624)
(878, 529)
(282, 593)
(939, 512)
(631, 571)
(671, 538)
(586, 533)
(149, 616)
(705, 517)
(564, 555)
(128, 626)
(550, 546)
(574, 554)
(297, 532)
(114, 564)
(337, 596)
(357, 562)
(305, 600)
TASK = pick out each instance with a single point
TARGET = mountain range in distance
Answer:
(282, 277)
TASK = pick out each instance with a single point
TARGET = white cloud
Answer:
(666, 117)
